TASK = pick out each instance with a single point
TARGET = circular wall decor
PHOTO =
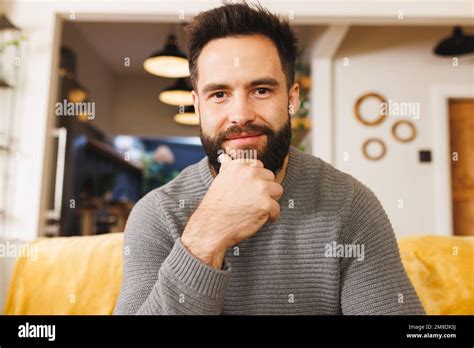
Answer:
(378, 155)
(396, 127)
(361, 118)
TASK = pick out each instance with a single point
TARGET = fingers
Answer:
(256, 163)
(266, 174)
(250, 162)
(275, 190)
(274, 213)
(224, 159)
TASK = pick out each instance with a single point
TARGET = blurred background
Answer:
(96, 108)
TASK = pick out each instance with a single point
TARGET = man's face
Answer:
(242, 100)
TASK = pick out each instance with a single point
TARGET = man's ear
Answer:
(196, 103)
(294, 98)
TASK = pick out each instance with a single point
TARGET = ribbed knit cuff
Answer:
(188, 269)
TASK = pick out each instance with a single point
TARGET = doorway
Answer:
(461, 131)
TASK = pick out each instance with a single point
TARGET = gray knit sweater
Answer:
(333, 251)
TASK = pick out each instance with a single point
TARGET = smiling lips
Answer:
(244, 138)
(244, 135)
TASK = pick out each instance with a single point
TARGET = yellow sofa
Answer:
(82, 275)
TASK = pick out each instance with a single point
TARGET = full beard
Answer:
(272, 155)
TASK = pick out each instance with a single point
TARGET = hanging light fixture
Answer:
(177, 94)
(77, 93)
(187, 117)
(74, 91)
(455, 45)
(169, 62)
(5, 23)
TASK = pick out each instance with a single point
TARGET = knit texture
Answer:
(287, 267)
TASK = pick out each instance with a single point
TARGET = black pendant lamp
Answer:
(169, 62)
(5, 24)
(177, 94)
(455, 45)
(187, 116)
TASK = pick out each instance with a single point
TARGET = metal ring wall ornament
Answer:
(397, 136)
(358, 104)
(366, 144)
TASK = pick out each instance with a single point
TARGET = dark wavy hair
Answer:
(241, 20)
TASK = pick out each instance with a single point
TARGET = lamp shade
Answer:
(4, 84)
(5, 24)
(76, 93)
(188, 117)
(177, 94)
(67, 63)
(457, 44)
(169, 62)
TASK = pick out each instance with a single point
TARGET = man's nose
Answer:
(241, 111)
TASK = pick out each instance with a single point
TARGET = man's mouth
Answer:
(244, 138)
(243, 135)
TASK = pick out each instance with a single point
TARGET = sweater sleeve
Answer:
(375, 284)
(160, 275)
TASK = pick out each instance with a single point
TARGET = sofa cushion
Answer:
(82, 275)
(441, 269)
(69, 275)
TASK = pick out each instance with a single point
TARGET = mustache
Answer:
(237, 130)
(272, 155)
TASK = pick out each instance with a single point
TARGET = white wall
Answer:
(31, 121)
(32, 118)
(396, 62)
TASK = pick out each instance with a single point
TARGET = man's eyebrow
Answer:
(268, 81)
(213, 87)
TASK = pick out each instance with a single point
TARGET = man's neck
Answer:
(280, 176)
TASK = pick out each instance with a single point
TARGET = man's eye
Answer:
(263, 91)
(218, 95)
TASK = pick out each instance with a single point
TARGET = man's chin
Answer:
(245, 151)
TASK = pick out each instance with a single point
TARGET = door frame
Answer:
(440, 95)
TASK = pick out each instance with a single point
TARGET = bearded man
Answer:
(254, 234)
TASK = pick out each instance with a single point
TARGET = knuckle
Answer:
(267, 205)
(270, 173)
(251, 171)
(261, 187)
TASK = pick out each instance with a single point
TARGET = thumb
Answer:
(224, 159)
